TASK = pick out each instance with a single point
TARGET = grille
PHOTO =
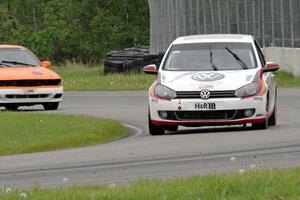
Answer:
(205, 115)
(57, 96)
(31, 82)
(26, 96)
(213, 94)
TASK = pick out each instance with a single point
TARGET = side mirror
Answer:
(150, 69)
(46, 64)
(271, 67)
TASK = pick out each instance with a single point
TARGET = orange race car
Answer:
(26, 81)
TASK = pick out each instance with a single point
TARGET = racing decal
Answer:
(151, 90)
(176, 78)
(259, 78)
(210, 87)
(208, 76)
(158, 78)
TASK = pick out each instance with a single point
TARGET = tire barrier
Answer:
(130, 60)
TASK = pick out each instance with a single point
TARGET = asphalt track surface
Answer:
(187, 152)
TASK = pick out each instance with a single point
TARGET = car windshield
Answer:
(17, 57)
(210, 56)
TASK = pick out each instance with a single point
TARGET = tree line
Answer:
(75, 30)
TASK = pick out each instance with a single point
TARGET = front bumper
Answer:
(225, 111)
(30, 96)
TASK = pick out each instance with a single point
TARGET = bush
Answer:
(83, 31)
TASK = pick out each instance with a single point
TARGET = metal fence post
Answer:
(253, 18)
(219, 17)
(246, 16)
(204, 17)
(263, 23)
(292, 23)
(212, 16)
(258, 20)
(282, 24)
(198, 16)
(273, 23)
(178, 17)
(228, 17)
(237, 15)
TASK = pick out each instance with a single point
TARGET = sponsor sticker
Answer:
(208, 76)
(209, 87)
(205, 106)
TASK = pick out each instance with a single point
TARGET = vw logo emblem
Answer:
(210, 76)
(204, 94)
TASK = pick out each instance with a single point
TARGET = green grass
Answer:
(287, 80)
(93, 79)
(33, 132)
(82, 78)
(280, 184)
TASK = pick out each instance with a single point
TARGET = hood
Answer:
(22, 73)
(211, 80)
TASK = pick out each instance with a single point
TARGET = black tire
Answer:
(12, 107)
(273, 118)
(155, 130)
(106, 70)
(172, 128)
(51, 106)
(261, 126)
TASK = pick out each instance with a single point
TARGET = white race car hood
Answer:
(212, 80)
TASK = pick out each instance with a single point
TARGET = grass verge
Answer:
(276, 184)
(34, 132)
(92, 79)
(287, 80)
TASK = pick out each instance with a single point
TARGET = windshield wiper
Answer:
(4, 65)
(238, 59)
(212, 61)
(16, 63)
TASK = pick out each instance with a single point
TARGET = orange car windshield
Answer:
(17, 57)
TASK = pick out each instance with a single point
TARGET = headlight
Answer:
(164, 92)
(247, 90)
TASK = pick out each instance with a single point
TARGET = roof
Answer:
(214, 38)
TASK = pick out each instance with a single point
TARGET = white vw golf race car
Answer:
(211, 80)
